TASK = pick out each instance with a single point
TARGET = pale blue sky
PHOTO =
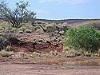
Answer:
(64, 9)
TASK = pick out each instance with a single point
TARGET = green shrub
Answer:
(83, 37)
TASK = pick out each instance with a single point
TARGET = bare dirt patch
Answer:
(35, 69)
(49, 65)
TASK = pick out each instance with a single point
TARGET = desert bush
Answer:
(4, 53)
(22, 29)
(95, 24)
(51, 28)
(9, 48)
(12, 39)
(3, 42)
(83, 37)
(28, 31)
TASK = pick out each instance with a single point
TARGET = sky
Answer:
(63, 9)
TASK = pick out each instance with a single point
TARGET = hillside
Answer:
(69, 21)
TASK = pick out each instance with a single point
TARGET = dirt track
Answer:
(35, 69)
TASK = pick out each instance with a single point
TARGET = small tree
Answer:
(17, 16)
(84, 37)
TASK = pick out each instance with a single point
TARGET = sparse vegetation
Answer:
(29, 45)
(24, 38)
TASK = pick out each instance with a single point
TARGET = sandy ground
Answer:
(36, 69)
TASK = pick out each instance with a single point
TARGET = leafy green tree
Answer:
(83, 37)
(19, 15)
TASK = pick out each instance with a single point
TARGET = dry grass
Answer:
(63, 59)
(4, 53)
(52, 58)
